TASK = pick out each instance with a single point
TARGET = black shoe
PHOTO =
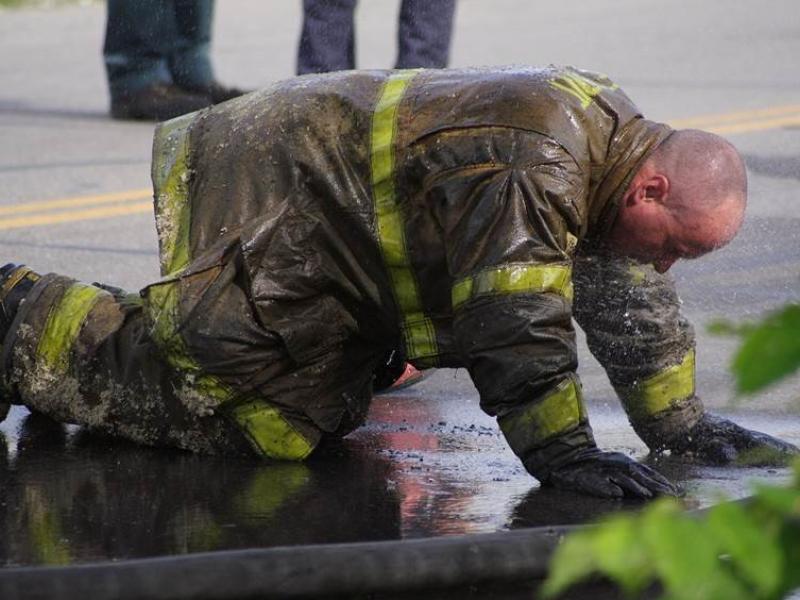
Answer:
(15, 283)
(159, 102)
(217, 92)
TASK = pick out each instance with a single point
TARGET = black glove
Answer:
(4, 406)
(717, 441)
(610, 475)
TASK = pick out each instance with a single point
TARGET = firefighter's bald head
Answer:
(687, 199)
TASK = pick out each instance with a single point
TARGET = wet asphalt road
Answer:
(428, 463)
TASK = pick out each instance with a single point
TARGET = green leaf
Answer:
(783, 501)
(572, 562)
(753, 552)
(613, 548)
(621, 554)
(686, 557)
(770, 350)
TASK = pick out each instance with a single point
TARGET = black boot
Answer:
(158, 102)
(216, 91)
(15, 283)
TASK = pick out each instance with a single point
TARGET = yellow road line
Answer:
(743, 121)
(77, 215)
(705, 121)
(747, 126)
(28, 207)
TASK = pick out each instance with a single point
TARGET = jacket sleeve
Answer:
(643, 342)
(509, 224)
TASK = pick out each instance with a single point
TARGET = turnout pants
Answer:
(116, 363)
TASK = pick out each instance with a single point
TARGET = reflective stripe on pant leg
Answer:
(418, 331)
(540, 421)
(64, 323)
(662, 392)
(170, 173)
(516, 278)
(269, 432)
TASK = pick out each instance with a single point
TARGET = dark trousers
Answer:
(327, 41)
(157, 41)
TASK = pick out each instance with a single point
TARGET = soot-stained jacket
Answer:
(450, 213)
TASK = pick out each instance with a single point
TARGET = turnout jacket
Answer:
(308, 228)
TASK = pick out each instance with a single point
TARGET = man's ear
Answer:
(654, 189)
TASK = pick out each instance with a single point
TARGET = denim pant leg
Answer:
(424, 33)
(190, 58)
(139, 34)
(327, 41)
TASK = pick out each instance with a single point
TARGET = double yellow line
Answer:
(744, 121)
(82, 208)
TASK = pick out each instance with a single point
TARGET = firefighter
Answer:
(307, 230)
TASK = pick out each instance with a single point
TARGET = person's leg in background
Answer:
(189, 59)
(327, 40)
(139, 36)
(424, 33)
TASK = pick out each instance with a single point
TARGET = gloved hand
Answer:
(610, 475)
(717, 441)
(4, 408)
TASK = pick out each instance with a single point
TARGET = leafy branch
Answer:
(736, 551)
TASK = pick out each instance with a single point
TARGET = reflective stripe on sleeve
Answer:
(515, 279)
(64, 323)
(269, 431)
(418, 331)
(171, 183)
(543, 419)
(663, 390)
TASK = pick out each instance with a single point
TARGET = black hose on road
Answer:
(295, 571)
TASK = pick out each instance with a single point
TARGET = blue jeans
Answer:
(327, 41)
(157, 41)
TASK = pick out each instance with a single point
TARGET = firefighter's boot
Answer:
(15, 283)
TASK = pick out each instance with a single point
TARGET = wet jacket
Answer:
(443, 212)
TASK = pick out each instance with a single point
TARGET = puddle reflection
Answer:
(417, 469)
(68, 499)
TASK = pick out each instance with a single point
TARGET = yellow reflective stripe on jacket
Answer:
(171, 182)
(163, 306)
(515, 279)
(662, 390)
(582, 88)
(544, 419)
(418, 330)
(270, 432)
(64, 323)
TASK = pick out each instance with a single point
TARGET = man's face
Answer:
(652, 234)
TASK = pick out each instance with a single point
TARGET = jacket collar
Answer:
(628, 149)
